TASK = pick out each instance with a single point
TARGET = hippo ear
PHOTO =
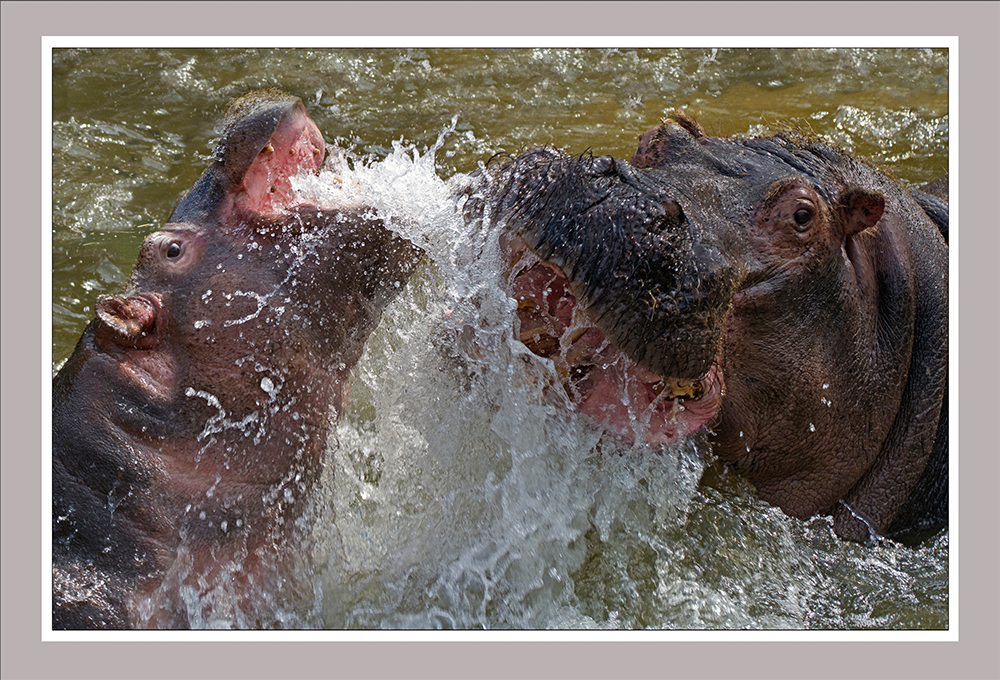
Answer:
(127, 322)
(860, 209)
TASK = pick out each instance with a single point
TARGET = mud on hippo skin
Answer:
(190, 420)
(787, 297)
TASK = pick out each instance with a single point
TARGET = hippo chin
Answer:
(190, 420)
(787, 298)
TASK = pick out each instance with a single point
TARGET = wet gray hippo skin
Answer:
(787, 297)
(190, 420)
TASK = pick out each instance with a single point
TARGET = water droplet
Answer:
(812, 428)
(267, 385)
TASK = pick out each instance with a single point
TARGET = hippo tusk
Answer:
(680, 388)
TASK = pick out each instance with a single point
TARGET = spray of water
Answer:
(461, 485)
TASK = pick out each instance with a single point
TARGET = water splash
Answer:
(462, 488)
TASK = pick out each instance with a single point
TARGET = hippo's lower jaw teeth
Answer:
(548, 330)
(527, 304)
(678, 388)
(539, 342)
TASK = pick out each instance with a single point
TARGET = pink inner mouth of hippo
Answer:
(296, 146)
(626, 399)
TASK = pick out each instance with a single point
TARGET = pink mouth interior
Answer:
(625, 398)
(296, 145)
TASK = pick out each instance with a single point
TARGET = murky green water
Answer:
(473, 508)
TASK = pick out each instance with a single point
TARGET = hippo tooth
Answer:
(528, 304)
(576, 334)
(539, 341)
(678, 387)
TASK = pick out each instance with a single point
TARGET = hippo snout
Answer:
(656, 284)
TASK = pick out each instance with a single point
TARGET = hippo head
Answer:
(630, 315)
(247, 310)
(191, 418)
(786, 297)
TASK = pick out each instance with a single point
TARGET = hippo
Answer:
(188, 425)
(774, 293)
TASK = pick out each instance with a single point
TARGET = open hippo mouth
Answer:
(619, 287)
(627, 399)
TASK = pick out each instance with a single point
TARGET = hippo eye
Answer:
(802, 217)
(174, 250)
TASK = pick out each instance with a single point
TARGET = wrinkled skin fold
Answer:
(189, 422)
(789, 298)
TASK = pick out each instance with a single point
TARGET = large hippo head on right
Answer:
(786, 296)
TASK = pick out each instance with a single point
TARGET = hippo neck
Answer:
(129, 505)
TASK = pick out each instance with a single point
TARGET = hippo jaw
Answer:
(603, 381)
(623, 289)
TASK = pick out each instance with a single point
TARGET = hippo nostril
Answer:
(674, 212)
(672, 217)
(605, 165)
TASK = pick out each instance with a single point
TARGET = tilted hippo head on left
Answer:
(192, 415)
